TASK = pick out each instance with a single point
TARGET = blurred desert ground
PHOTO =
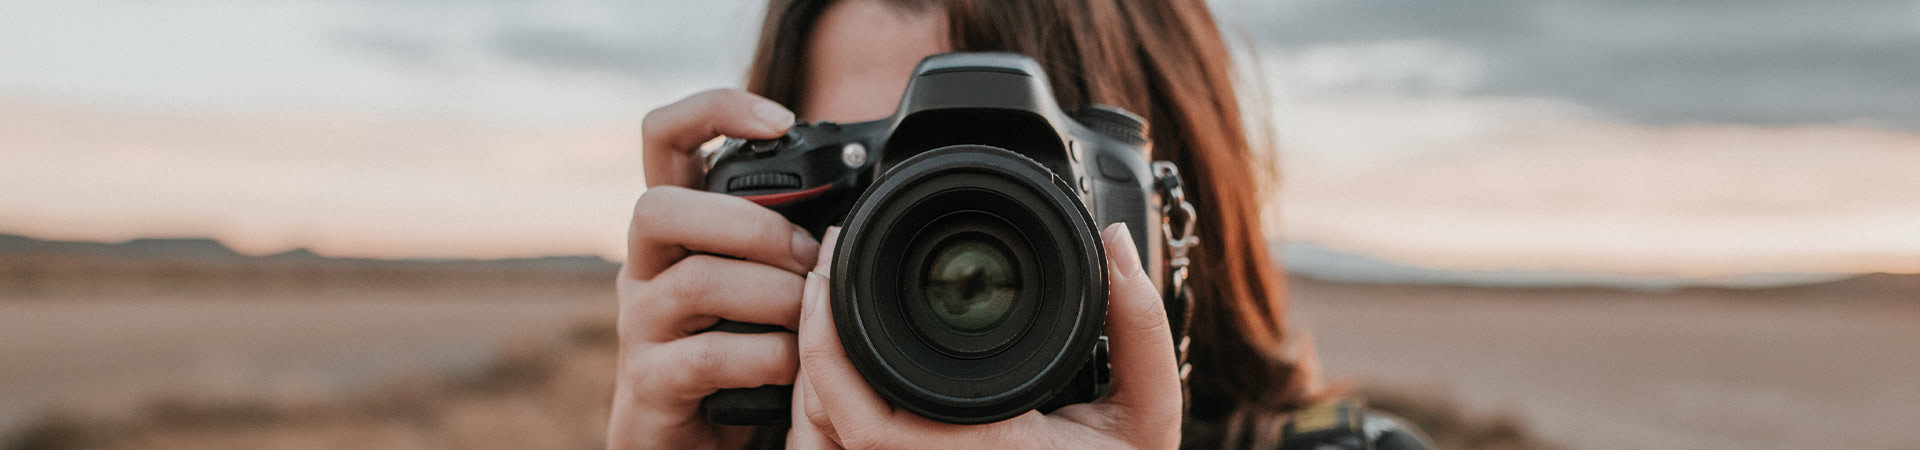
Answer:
(1728, 179)
(182, 343)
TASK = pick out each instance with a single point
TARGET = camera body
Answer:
(969, 284)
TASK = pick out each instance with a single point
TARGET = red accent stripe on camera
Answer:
(786, 197)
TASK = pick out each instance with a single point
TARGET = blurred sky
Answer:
(1694, 137)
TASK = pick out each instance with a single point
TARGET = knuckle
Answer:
(775, 364)
(685, 282)
(652, 209)
(1150, 323)
(636, 368)
(1152, 313)
(641, 315)
(1159, 412)
(700, 267)
(640, 207)
(720, 98)
(704, 356)
(817, 415)
(672, 293)
(645, 208)
(815, 354)
(722, 203)
(787, 358)
(859, 437)
(650, 124)
(712, 95)
(657, 198)
(1146, 308)
(753, 226)
(773, 231)
(627, 327)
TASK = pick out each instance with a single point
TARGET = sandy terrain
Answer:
(1588, 368)
(109, 355)
(1600, 369)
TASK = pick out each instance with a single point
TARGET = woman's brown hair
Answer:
(1167, 61)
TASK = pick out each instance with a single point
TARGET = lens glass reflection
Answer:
(971, 284)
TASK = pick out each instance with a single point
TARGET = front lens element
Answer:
(971, 284)
(968, 285)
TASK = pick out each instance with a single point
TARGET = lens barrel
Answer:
(969, 285)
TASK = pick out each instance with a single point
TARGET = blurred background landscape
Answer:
(392, 223)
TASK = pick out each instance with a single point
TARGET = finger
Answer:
(828, 242)
(1146, 379)
(696, 366)
(672, 134)
(810, 429)
(807, 401)
(702, 289)
(807, 408)
(669, 222)
(850, 405)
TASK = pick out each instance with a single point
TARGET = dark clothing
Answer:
(1347, 426)
(1334, 426)
(1331, 426)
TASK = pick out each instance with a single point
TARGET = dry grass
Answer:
(547, 392)
(539, 392)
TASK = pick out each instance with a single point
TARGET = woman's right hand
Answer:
(672, 286)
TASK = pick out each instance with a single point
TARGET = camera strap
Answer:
(1177, 219)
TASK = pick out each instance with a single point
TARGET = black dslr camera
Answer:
(969, 284)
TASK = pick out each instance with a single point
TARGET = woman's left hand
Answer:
(834, 407)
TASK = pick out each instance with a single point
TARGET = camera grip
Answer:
(764, 405)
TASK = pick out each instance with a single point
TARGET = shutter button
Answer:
(767, 147)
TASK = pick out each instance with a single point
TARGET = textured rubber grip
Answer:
(765, 405)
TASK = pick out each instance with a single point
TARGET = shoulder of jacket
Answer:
(1349, 426)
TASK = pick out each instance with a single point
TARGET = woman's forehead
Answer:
(861, 54)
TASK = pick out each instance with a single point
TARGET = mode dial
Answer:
(763, 180)
(1113, 122)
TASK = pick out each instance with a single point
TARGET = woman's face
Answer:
(861, 54)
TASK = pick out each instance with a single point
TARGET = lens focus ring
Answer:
(970, 285)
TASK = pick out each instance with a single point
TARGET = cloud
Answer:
(360, 186)
(582, 50)
(1767, 62)
(1493, 184)
(637, 41)
(400, 47)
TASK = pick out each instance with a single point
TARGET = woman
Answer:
(848, 61)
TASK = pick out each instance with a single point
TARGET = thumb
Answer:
(1146, 379)
(828, 241)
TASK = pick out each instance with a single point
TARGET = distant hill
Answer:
(1903, 286)
(154, 248)
(209, 251)
(1325, 264)
(36, 268)
(31, 267)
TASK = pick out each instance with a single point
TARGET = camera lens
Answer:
(971, 283)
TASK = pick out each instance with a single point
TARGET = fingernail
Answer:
(1120, 249)
(773, 117)
(805, 249)
(805, 389)
(813, 302)
(826, 248)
